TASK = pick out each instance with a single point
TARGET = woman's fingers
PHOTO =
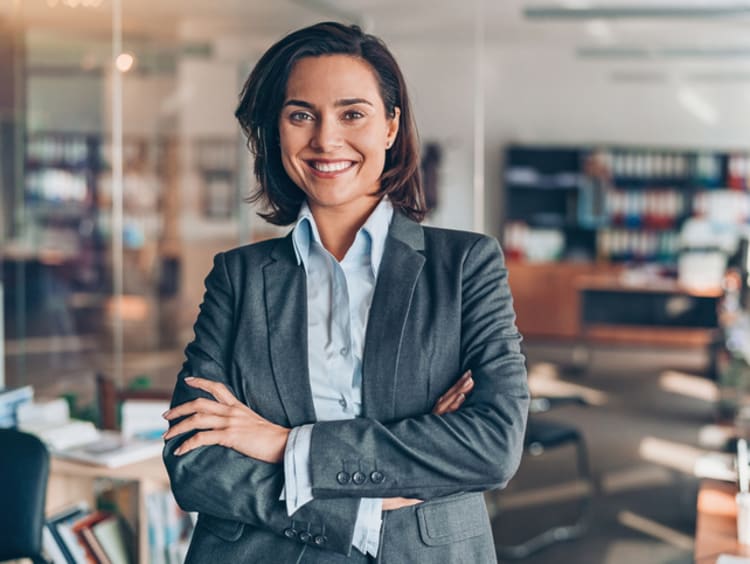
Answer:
(204, 438)
(200, 405)
(195, 422)
(217, 389)
(391, 503)
(455, 396)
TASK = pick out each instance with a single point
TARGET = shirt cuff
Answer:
(366, 537)
(297, 481)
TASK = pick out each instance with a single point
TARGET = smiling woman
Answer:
(334, 135)
(354, 387)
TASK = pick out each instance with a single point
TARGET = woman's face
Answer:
(334, 132)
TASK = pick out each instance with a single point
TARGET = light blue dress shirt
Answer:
(339, 295)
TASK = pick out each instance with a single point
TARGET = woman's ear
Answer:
(393, 123)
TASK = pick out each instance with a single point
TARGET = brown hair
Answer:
(263, 95)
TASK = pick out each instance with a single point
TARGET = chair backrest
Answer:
(24, 470)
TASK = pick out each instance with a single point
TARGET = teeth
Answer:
(331, 167)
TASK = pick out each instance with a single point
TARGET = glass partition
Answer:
(124, 172)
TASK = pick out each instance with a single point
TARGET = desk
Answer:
(650, 312)
(71, 482)
(716, 527)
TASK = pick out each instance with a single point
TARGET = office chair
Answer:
(24, 470)
(543, 435)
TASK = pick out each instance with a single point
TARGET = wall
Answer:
(544, 95)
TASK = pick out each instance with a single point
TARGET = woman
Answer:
(298, 435)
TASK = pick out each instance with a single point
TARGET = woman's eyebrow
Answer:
(352, 101)
(338, 103)
(301, 103)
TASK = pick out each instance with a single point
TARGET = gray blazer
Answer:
(441, 306)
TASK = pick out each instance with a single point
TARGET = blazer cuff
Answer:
(297, 480)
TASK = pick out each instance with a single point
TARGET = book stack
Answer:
(10, 400)
(81, 440)
(77, 535)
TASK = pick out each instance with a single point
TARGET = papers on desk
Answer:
(81, 440)
(112, 449)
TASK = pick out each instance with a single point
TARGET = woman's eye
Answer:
(353, 114)
(300, 116)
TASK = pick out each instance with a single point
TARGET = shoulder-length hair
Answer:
(262, 98)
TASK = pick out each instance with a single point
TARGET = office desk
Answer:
(716, 527)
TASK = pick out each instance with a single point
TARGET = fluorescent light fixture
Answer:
(616, 52)
(640, 77)
(723, 77)
(732, 52)
(698, 106)
(640, 11)
(600, 30)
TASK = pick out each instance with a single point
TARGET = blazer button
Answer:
(343, 478)
(305, 537)
(359, 478)
(320, 540)
(290, 533)
(377, 477)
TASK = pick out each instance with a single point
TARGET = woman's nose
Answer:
(327, 135)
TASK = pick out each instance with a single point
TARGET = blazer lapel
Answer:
(397, 277)
(286, 312)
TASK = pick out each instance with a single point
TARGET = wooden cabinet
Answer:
(591, 303)
(546, 296)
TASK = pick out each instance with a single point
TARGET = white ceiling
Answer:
(440, 21)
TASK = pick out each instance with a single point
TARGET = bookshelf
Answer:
(615, 203)
(72, 482)
(577, 212)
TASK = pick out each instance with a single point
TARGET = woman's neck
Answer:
(338, 227)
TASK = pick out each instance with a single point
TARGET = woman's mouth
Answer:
(329, 169)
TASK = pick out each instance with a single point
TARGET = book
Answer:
(59, 526)
(52, 550)
(62, 436)
(112, 449)
(82, 529)
(45, 411)
(10, 400)
(109, 534)
(122, 498)
(143, 418)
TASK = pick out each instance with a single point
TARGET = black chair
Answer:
(543, 435)
(24, 470)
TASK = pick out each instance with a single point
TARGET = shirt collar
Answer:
(305, 232)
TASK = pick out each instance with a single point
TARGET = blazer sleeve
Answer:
(226, 487)
(476, 448)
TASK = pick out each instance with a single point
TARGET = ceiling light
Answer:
(697, 105)
(642, 11)
(600, 30)
(124, 62)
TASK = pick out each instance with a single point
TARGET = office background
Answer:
(123, 171)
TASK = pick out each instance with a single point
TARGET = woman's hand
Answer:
(449, 402)
(226, 422)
